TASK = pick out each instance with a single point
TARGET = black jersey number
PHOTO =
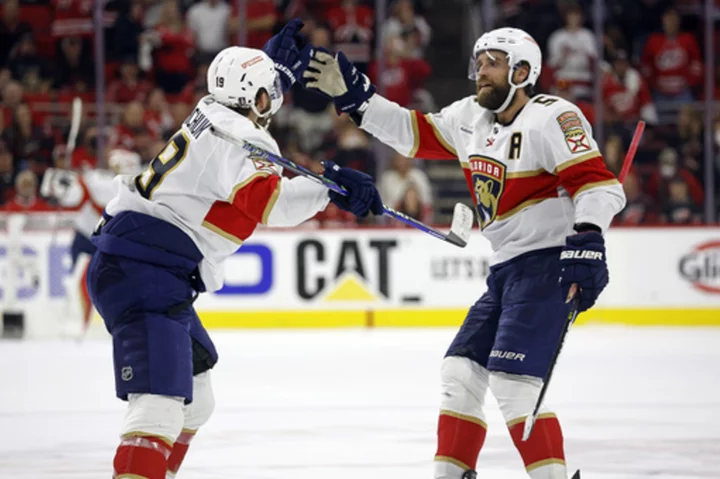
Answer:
(166, 161)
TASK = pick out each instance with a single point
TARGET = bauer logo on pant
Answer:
(488, 181)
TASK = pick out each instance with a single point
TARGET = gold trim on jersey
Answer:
(578, 159)
(129, 476)
(271, 203)
(524, 174)
(439, 136)
(244, 183)
(416, 134)
(452, 460)
(221, 232)
(518, 420)
(463, 417)
(164, 439)
(520, 207)
(542, 463)
(597, 184)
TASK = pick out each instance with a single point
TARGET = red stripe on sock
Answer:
(179, 451)
(460, 439)
(142, 457)
(545, 442)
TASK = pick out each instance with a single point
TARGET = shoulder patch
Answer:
(262, 164)
(576, 137)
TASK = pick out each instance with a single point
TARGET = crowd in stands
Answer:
(158, 51)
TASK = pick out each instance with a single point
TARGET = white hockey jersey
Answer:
(216, 192)
(530, 180)
(87, 192)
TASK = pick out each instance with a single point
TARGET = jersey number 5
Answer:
(166, 161)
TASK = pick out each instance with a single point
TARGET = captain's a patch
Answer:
(576, 137)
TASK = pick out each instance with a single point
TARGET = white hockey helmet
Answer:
(237, 74)
(124, 162)
(519, 47)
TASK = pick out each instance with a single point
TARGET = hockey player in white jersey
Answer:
(88, 192)
(543, 197)
(163, 241)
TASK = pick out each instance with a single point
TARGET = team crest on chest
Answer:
(488, 181)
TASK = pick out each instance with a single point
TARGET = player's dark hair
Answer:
(245, 111)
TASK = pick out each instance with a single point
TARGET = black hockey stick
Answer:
(462, 219)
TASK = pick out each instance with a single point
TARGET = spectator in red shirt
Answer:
(658, 184)
(26, 198)
(260, 18)
(401, 76)
(352, 27)
(197, 88)
(626, 95)
(11, 29)
(31, 145)
(158, 116)
(131, 134)
(129, 86)
(72, 18)
(84, 155)
(174, 49)
(671, 61)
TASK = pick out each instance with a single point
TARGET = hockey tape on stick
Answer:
(530, 420)
(462, 220)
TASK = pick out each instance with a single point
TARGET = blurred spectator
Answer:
(127, 30)
(174, 49)
(352, 27)
(6, 174)
(640, 208)
(679, 207)
(260, 18)
(131, 134)
(11, 98)
(310, 117)
(158, 117)
(30, 145)
(11, 29)
(401, 76)
(28, 67)
(26, 198)
(85, 153)
(74, 68)
(208, 20)
(349, 146)
(196, 89)
(411, 27)
(129, 86)
(613, 153)
(670, 169)
(671, 61)
(572, 51)
(406, 186)
(563, 90)
(72, 18)
(626, 95)
(688, 138)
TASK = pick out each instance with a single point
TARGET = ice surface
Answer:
(352, 404)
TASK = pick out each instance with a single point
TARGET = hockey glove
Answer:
(291, 53)
(583, 262)
(362, 197)
(338, 78)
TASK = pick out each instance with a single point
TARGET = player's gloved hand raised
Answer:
(338, 78)
(290, 51)
(583, 262)
(363, 196)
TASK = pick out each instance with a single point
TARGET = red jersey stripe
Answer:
(428, 141)
(584, 175)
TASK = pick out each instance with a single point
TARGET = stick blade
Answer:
(461, 226)
(527, 430)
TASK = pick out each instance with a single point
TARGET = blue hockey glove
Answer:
(363, 197)
(291, 53)
(583, 262)
(337, 78)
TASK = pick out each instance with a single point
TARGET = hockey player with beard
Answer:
(544, 198)
(165, 236)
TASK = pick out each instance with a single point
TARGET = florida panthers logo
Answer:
(488, 181)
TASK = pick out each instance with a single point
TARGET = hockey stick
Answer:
(530, 420)
(462, 219)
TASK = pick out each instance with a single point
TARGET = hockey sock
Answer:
(179, 450)
(460, 439)
(543, 452)
(141, 457)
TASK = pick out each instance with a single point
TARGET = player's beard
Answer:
(495, 97)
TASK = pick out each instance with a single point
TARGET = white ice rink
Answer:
(362, 404)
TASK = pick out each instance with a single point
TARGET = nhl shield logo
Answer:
(126, 373)
(488, 182)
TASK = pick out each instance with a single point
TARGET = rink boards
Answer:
(395, 277)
